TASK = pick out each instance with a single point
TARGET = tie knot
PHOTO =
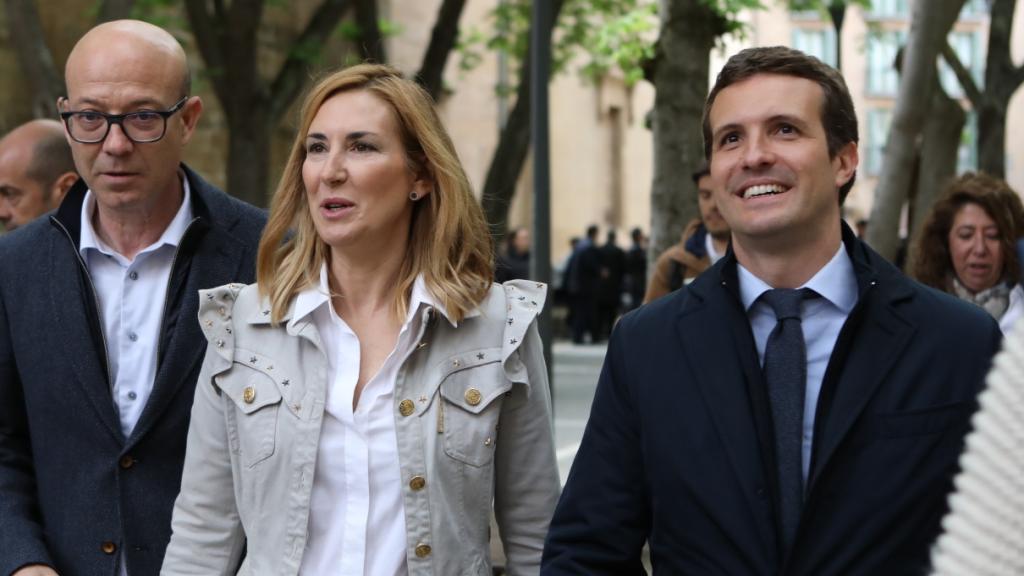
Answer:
(786, 301)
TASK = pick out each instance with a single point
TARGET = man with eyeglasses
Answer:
(99, 344)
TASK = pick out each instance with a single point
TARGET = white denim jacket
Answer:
(472, 417)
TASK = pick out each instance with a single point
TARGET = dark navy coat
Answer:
(678, 448)
(74, 492)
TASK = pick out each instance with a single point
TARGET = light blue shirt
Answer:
(821, 319)
(130, 295)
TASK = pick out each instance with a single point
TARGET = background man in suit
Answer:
(703, 242)
(99, 343)
(737, 436)
(36, 170)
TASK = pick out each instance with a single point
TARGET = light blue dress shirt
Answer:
(821, 319)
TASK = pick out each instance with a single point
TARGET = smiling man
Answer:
(797, 409)
(99, 344)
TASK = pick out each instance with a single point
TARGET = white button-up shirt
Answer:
(357, 517)
(130, 295)
(821, 320)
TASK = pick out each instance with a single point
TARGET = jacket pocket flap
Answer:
(250, 391)
(926, 421)
(476, 387)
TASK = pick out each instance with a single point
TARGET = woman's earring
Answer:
(413, 196)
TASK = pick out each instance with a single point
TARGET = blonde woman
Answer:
(363, 407)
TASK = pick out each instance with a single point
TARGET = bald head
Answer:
(36, 170)
(135, 41)
(127, 67)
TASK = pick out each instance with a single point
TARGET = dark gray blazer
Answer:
(74, 492)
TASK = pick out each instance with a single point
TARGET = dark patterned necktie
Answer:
(785, 374)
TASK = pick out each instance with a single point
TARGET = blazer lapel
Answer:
(876, 341)
(217, 260)
(71, 300)
(719, 352)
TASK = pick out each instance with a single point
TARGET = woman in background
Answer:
(365, 405)
(967, 246)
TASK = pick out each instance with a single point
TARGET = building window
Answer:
(882, 49)
(970, 51)
(818, 42)
(889, 9)
(878, 134)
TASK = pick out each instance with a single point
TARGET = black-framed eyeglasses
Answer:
(141, 126)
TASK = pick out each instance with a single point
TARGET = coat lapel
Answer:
(217, 260)
(724, 334)
(71, 300)
(876, 341)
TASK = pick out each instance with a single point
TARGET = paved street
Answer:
(576, 368)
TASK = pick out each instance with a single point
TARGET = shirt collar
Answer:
(313, 297)
(172, 235)
(835, 282)
(709, 246)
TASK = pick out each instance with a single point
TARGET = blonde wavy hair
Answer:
(449, 242)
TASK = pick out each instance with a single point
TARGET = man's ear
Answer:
(60, 188)
(190, 114)
(61, 103)
(845, 163)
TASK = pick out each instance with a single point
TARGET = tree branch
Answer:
(442, 40)
(963, 75)
(289, 81)
(513, 147)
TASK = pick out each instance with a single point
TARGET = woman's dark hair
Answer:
(932, 263)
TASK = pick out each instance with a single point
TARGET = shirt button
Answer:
(417, 483)
(132, 395)
(133, 336)
(108, 547)
(133, 275)
(422, 550)
(406, 407)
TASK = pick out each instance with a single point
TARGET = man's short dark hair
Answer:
(51, 157)
(592, 231)
(703, 170)
(838, 116)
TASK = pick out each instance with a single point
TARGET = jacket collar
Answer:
(208, 208)
(711, 323)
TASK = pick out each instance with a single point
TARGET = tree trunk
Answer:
(930, 23)
(248, 151)
(510, 154)
(1002, 79)
(115, 10)
(34, 57)
(371, 42)
(680, 76)
(940, 144)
